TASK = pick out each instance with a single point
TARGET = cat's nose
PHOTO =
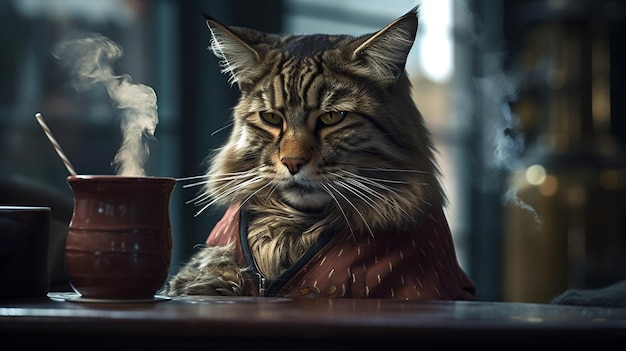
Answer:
(293, 164)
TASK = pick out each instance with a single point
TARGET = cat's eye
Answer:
(333, 117)
(271, 118)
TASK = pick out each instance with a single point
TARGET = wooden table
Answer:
(220, 323)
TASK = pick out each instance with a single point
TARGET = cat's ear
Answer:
(385, 52)
(238, 57)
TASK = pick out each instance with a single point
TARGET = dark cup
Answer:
(119, 243)
(24, 232)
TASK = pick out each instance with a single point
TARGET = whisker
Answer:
(232, 188)
(254, 193)
(271, 192)
(343, 213)
(373, 180)
(229, 178)
(354, 207)
(222, 177)
(364, 187)
(200, 198)
(234, 182)
(191, 185)
(192, 177)
(424, 201)
(377, 169)
(363, 182)
(360, 194)
(378, 206)
(222, 128)
(357, 187)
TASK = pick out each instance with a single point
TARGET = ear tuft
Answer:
(385, 52)
(237, 56)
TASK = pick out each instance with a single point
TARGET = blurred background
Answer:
(523, 98)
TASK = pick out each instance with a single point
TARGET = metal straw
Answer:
(56, 145)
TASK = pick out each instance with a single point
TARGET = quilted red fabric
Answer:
(417, 263)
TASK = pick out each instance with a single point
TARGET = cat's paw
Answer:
(213, 271)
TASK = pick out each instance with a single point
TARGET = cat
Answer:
(328, 178)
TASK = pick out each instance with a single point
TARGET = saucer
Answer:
(72, 297)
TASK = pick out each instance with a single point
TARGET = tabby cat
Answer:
(328, 179)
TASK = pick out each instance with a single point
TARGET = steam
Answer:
(502, 135)
(503, 139)
(89, 61)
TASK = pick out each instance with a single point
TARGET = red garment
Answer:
(418, 263)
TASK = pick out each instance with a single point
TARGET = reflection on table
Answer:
(64, 319)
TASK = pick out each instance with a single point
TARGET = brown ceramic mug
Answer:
(119, 243)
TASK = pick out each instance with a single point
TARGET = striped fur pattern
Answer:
(324, 135)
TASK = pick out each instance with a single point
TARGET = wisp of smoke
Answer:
(504, 142)
(89, 60)
(502, 134)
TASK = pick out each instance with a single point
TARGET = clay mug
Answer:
(24, 235)
(119, 243)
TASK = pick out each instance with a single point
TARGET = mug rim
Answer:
(117, 177)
